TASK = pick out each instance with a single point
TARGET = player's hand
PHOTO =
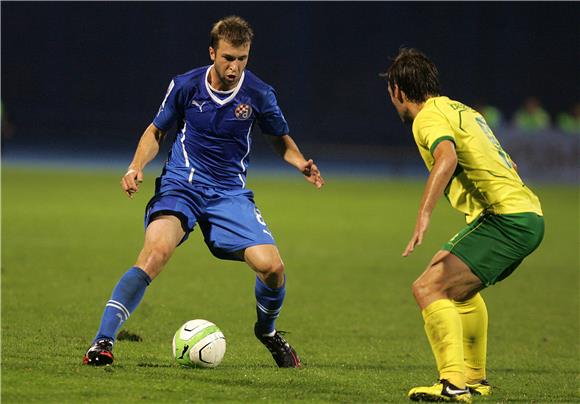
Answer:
(131, 180)
(418, 233)
(311, 173)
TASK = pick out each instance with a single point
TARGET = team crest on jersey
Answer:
(243, 111)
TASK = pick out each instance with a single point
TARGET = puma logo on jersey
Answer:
(197, 104)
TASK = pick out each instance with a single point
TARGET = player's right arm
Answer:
(171, 109)
(433, 132)
(147, 149)
(441, 173)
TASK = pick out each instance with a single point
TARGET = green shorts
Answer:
(494, 245)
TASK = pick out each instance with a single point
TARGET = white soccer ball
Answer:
(199, 343)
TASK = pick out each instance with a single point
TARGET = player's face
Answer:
(229, 62)
(399, 103)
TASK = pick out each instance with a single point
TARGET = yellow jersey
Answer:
(485, 179)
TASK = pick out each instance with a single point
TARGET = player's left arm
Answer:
(445, 164)
(289, 151)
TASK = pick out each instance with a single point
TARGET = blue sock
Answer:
(268, 305)
(126, 297)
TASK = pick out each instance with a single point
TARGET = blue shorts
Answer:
(228, 218)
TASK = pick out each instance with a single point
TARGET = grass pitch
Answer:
(68, 235)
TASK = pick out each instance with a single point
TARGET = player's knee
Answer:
(271, 268)
(417, 289)
(159, 255)
(272, 273)
(265, 261)
(277, 268)
(422, 289)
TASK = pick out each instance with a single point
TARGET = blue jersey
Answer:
(213, 142)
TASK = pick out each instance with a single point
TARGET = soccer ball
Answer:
(199, 343)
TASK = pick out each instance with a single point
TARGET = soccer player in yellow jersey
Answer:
(504, 224)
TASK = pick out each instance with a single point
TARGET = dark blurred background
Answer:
(85, 79)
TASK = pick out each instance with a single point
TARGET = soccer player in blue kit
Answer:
(204, 181)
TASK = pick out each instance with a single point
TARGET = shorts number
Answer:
(259, 217)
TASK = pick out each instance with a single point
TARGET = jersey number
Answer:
(485, 128)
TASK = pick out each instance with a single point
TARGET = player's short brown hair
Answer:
(415, 74)
(233, 29)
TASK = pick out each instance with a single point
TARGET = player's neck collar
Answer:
(214, 97)
(221, 91)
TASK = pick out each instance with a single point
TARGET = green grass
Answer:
(67, 236)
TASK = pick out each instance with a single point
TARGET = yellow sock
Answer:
(473, 314)
(443, 329)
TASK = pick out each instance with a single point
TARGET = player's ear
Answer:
(391, 90)
(212, 53)
(399, 94)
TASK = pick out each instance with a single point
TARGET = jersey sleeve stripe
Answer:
(171, 85)
(439, 140)
(182, 139)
